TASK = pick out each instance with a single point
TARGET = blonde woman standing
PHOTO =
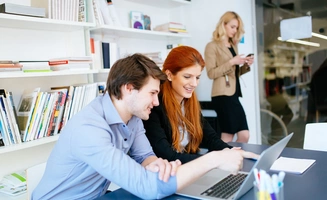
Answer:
(225, 66)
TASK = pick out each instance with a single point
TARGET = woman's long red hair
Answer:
(179, 58)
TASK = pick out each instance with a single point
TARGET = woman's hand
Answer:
(238, 60)
(249, 60)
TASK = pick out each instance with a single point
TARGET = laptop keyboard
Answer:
(226, 187)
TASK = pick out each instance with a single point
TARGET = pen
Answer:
(256, 176)
(275, 183)
(269, 186)
(281, 176)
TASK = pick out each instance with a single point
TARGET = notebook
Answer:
(210, 185)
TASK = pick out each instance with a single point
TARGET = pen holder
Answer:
(265, 195)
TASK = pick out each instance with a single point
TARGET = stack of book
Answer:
(72, 10)
(14, 184)
(10, 8)
(70, 63)
(173, 27)
(9, 130)
(10, 66)
(35, 66)
(156, 57)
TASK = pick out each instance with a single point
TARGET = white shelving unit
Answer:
(23, 22)
(136, 33)
(44, 74)
(30, 144)
(163, 3)
(31, 38)
(132, 40)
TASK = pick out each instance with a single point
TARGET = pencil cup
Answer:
(265, 195)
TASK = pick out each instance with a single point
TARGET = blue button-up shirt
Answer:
(92, 151)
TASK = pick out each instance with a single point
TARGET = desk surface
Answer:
(309, 185)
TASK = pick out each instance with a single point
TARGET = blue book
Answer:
(106, 55)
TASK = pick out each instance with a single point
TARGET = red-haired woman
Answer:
(176, 128)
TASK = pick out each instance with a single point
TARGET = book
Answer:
(7, 120)
(47, 5)
(106, 55)
(25, 110)
(11, 114)
(57, 121)
(45, 121)
(67, 106)
(16, 9)
(72, 67)
(292, 165)
(2, 134)
(81, 10)
(96, 53)
(147, 22)
(3, 129)
(14, 183)
(113, 13)
(97, 13)
(137, 19)
(70, 60)
(105, 12)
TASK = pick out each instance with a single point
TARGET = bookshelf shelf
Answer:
(24, 22)
(104, 71)
(43, 74)
(136, 33)
(30, 144)
(163, 3)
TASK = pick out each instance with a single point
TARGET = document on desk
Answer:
(292, 165)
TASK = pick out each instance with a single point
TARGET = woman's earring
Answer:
(169, 79)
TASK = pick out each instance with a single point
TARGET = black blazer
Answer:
(159, 133)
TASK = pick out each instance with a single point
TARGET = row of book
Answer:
(56, 64)
(104, 54)
(105, 13)
(42, 113)
(72, 10)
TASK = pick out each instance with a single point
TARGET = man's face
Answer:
(141, 101)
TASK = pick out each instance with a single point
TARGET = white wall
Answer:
(203, 17)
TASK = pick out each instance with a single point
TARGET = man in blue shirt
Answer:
(105, 142)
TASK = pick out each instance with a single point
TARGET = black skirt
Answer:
(230, 113)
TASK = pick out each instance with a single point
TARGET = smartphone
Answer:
(250, 54)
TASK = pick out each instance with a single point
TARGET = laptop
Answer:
(213, 184)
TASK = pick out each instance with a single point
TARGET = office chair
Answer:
(33, 177)
(272, 127)
(315, 136)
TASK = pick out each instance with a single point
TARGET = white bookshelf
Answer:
(31, 38)
(30, 144)
(24, 22)
(44, 74)
(136, 33)
(162, 3)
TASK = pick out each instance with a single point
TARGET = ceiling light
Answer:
(301, 42)
(319, 35)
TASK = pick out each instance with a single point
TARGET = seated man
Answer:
(105, 142)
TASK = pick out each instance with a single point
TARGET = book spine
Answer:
(106, 55)
(59, 62)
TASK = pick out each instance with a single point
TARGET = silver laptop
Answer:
(213, 184)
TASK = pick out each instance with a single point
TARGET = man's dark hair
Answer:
(136, 70)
